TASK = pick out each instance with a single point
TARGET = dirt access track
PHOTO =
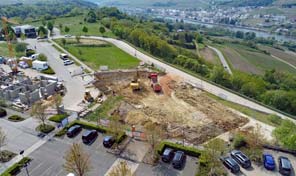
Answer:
(181, 110)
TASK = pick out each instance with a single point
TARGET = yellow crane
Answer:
(13, 62)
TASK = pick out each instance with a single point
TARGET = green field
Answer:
(4, 50)
(251, 60)
(98, 55)
(76, 24)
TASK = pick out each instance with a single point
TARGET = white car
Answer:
(68, 35)
(68, 62)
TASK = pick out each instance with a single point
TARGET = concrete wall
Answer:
(125, 75)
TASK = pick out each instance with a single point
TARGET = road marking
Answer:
(34, 169)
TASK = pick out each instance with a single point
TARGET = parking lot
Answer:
(48, 159)
(166, 169)
(261, 171)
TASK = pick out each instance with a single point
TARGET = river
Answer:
(259, 33)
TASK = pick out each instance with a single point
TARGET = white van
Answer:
(39, 65)
(64, 56)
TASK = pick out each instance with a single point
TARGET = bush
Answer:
(42, 57)
(20, 47)
(45, 128)
(30, 53)
(120, 137)
(3, 112)
(191, 151)
(90, 126)
(60, 133)
(6, 156)
(14, 169)
(3, 103)
(15, 118)
(58, 118)
(48, 71)
(239, 141)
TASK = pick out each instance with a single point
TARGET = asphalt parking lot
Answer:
(166, 169)
(261, 171)
(48, 159)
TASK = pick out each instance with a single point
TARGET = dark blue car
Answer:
(268, 161)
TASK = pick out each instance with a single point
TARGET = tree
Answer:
(67, 29)
(115, 125)
(50, 26)
(42, 31)
(61, 26)
(122, 169)
(38, 111)
(63, 41)
(286, 134)
(255, 140)
(42, 57)
(91, 17)
(77, 160)
(77, 37)
(213, 150)
(85, 29)
(57, 101)
(154, 134)
(102, 30)
(20, 47)
(23, 37)
(3, 140)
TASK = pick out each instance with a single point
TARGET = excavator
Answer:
(135, 83)
(12, 62)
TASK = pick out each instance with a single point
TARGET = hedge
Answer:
(45, 128)
(3, 112)
(48, 71)
(14, 169)
(15, 118)
(91, 126)
(191, 151)
(58, 118)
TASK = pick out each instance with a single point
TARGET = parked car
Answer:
(74, 130)
(89, 136)
(23, 65)
(68, 62)
(179, 159)
(167, 155)
(64, 56)
(240, 158)
(230, 164)
(68, 35)
(268, 161)
(108, 141)
(285, 167)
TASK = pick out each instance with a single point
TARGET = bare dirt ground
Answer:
(87, 41)
(181, 110)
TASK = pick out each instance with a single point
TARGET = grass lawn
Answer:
(97, 55)
(103, 110)
(76, 24)
(4, 50)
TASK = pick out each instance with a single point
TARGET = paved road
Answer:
(281, 60)
(222, 59)
(206, 86)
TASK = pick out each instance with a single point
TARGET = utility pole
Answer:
(26, 164)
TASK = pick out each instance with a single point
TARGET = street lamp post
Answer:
(26, 164)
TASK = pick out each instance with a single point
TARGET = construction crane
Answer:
(12, 62)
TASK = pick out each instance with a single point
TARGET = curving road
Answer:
(206, 86)
(222, 59)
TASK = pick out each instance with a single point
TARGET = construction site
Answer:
(181, 110)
